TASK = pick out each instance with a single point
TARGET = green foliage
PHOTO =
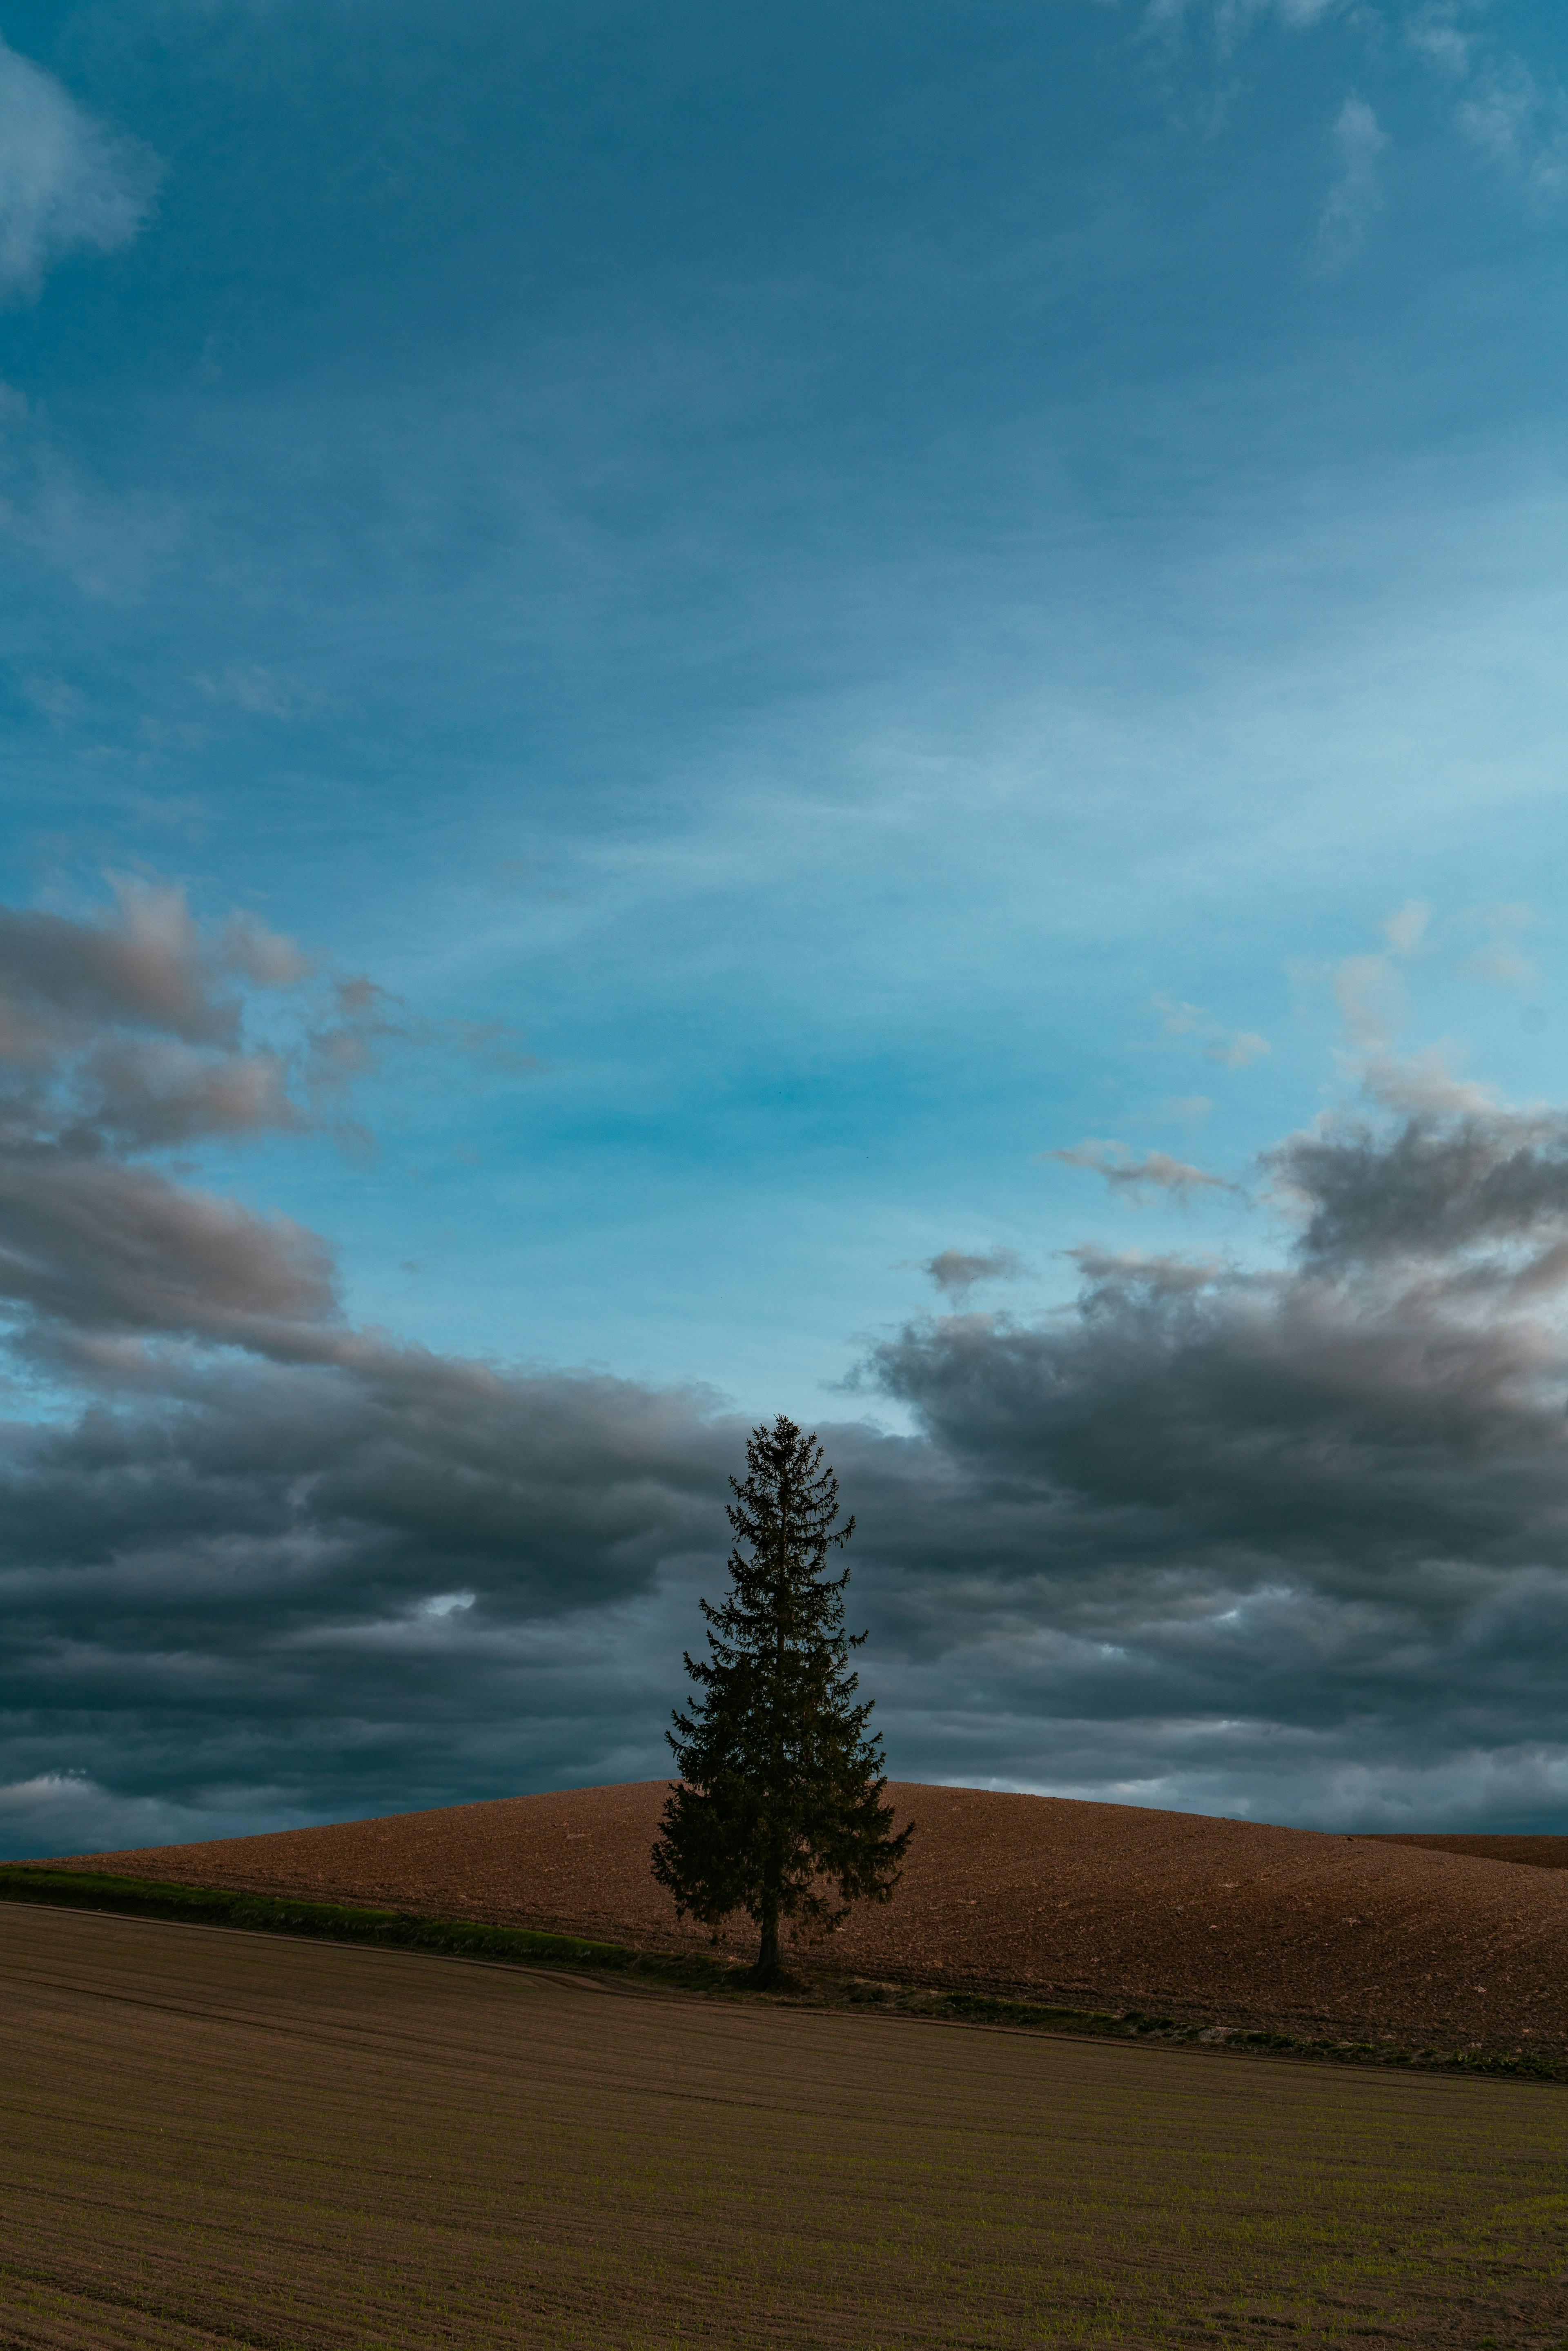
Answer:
(780, 1812)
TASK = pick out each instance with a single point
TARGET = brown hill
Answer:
(1532, 1852)
(1102, 1905)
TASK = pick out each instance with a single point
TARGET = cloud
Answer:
(1435, 37)
(1357, 194)
(1407, 927)
(1230, 19)
(108, 543)
(1520, 124)
(123, 1033)
(1508, 112)
(955, 1272)
(1230, 1049)
(234, 1504)
(1477, 1196)
(1176, 1018)
(66, 185)
(1156, 1171)
(259, 691)
(1369, 990)
(1237, 1052)
(1283, 1538)
(1308, 1515)
(1502, 965)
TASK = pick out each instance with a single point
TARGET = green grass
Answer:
(341, 1922)
(1134, 2024)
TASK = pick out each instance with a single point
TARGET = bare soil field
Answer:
(1035, 1897)
(216, 2140)
(1534, 1852)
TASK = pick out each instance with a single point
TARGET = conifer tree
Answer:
(779, 1813)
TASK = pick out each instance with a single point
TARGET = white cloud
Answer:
(1511, 112)
(108, 543)
(1406, 929)
(1235, 1051)
(1435, 37)
(1502, 965)
(1232, 18)
(1371, 1000)
(1178, 1019)
(61, 703)
(65, 183)
(259, 691)
(1231, 1049)
(1521, 125)
(1357, 194)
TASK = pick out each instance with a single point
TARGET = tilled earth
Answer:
(1038, 1897)
(238, 2142)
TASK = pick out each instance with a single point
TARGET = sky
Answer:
(856, 712)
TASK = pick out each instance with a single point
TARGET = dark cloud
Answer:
(1295, 1528)
(253, 1559)
(957, 1272)
(1477, 1195)
(1284, 1538)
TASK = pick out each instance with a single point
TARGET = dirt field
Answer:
(1098, 1905)
(223, 2139)
(1534, 1852)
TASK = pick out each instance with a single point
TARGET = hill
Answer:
(1091, 1905)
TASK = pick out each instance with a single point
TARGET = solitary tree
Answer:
(779, 1813)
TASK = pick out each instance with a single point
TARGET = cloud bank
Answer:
(1284, 1538)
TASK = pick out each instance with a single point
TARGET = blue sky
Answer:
(831, 605)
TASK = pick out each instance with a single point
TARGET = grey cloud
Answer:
(219, 1598)
(1156, 1171)
(957, 1272)
(142, 962)
(1440, 1190)
(126, 1028)
(1294, 1529)
(1283, 1538)
(148, 1095)
(123, 1033)
(90, 1246)
(226, 1549)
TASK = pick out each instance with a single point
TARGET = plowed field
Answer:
(1104, 1905)
(213, 2141)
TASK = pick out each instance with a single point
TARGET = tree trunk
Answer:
(767, 1969)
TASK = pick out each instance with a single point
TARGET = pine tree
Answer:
(779, 1813)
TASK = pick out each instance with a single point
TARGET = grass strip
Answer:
(338, 1922)
(1133, 2024)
